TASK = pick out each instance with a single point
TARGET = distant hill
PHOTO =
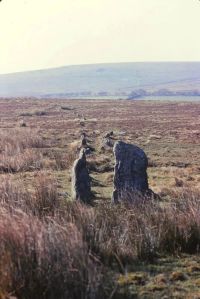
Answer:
(118, 80)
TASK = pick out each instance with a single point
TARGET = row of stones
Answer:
(130, 174)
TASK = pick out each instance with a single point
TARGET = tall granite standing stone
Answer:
(81, 188)
(130, 173)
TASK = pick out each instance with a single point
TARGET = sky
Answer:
(37, 34)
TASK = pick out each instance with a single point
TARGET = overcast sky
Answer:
(36, 34)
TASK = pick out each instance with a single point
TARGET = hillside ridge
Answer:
(118, 80)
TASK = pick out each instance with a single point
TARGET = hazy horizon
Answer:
(51, 34)
(97, 63)
(112, 79)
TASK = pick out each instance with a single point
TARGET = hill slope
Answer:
(99, 80)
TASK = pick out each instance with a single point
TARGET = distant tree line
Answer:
(140, 93)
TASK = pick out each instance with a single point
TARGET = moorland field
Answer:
(52, 247)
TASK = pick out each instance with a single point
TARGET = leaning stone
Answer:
(130, 172)
(81, 188)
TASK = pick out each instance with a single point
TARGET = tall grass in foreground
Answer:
(19, 150)
(68, 250)
(44, 259)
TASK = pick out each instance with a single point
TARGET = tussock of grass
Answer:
(51, 248)
(45, 259)
(18, 151)
(59, 249)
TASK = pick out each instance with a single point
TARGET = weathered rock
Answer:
(81, 188)
(83, 135)
(84, 144)
(109, 134)
(88, 151)
(107, 142)
(130, 171)
(83, 140)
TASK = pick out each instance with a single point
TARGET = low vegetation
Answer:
(52, 247)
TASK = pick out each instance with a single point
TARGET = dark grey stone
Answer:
(83, 141)
(109, 134)
(130, 172)
(81, 188)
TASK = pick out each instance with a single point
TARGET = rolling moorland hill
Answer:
(118, 80)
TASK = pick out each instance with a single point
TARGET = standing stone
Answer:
(107, 142)
(83, 140)
(130, 172)
(81, 189)
(84, 144)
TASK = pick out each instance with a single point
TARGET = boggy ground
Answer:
(38, 144)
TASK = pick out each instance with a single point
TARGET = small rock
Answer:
(107, 142)
(109, 134)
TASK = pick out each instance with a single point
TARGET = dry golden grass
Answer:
(53, 248)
